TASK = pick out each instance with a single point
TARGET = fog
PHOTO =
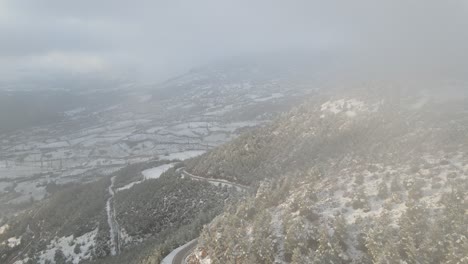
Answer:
(153, 40)
(233, 131)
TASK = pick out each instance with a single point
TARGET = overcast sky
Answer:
(152, 40)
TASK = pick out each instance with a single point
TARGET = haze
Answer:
(233, 131)
(153, 40)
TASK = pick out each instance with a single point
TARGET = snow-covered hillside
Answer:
(363, 179)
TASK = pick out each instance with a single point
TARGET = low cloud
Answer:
(153, 40)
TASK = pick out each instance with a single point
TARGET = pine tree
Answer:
(262, 247)
(327, 250)
(59, 257)
(413, 228)
(360, 200)
(297, 257)
(341, 232)
(383, 190)
(382, 242)
(395, 186)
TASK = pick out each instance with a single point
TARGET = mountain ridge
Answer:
(352, 171)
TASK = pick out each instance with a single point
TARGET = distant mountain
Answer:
(23, 109)
(85, 131)
(72, 186)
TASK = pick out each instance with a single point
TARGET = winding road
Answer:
(183, 253)
(180, 254)
(114, 231)
(239, 187)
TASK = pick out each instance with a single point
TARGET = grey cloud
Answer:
(155, 39)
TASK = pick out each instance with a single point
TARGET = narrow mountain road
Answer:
(178, 255)
(114, 230)
(278, 234)
(239, 187)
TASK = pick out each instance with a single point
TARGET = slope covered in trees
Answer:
(152, 217)
(367, 177)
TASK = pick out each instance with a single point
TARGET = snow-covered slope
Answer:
(361, 179)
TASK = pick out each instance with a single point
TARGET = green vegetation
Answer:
(74, 209)
(152, 206)
(380, 186)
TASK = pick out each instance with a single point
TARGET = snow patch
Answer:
(279, 236)
(273, 96)
(198, 255)
(183, 155)
(156, 172)
(86, 243)
(54, 145)
(349, 107)
(4, 228)
(13, 242)
(420, 103)
(22, 261)
(74, 111)
(128, 186)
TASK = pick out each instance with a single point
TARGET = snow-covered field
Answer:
(271, 97)
(35, 191)
(17, 171)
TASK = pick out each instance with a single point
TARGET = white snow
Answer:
(198, 255)
(22, 261)
(74, 111)
(128, 186)
(54, 145)
(113, 226)
(31, 189)
(216, 137)
(67, 245)
(168, 259)
(155, 129)
(156, 172)
(420, 103)
(349, 107)
(220, 111)
(273, 96)
(184, 132)
(206, 260)
(4, 228)
(152, 173)
(14, 241)
(183, 155)
(278, 233)
(231, 127)
(18, 171)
